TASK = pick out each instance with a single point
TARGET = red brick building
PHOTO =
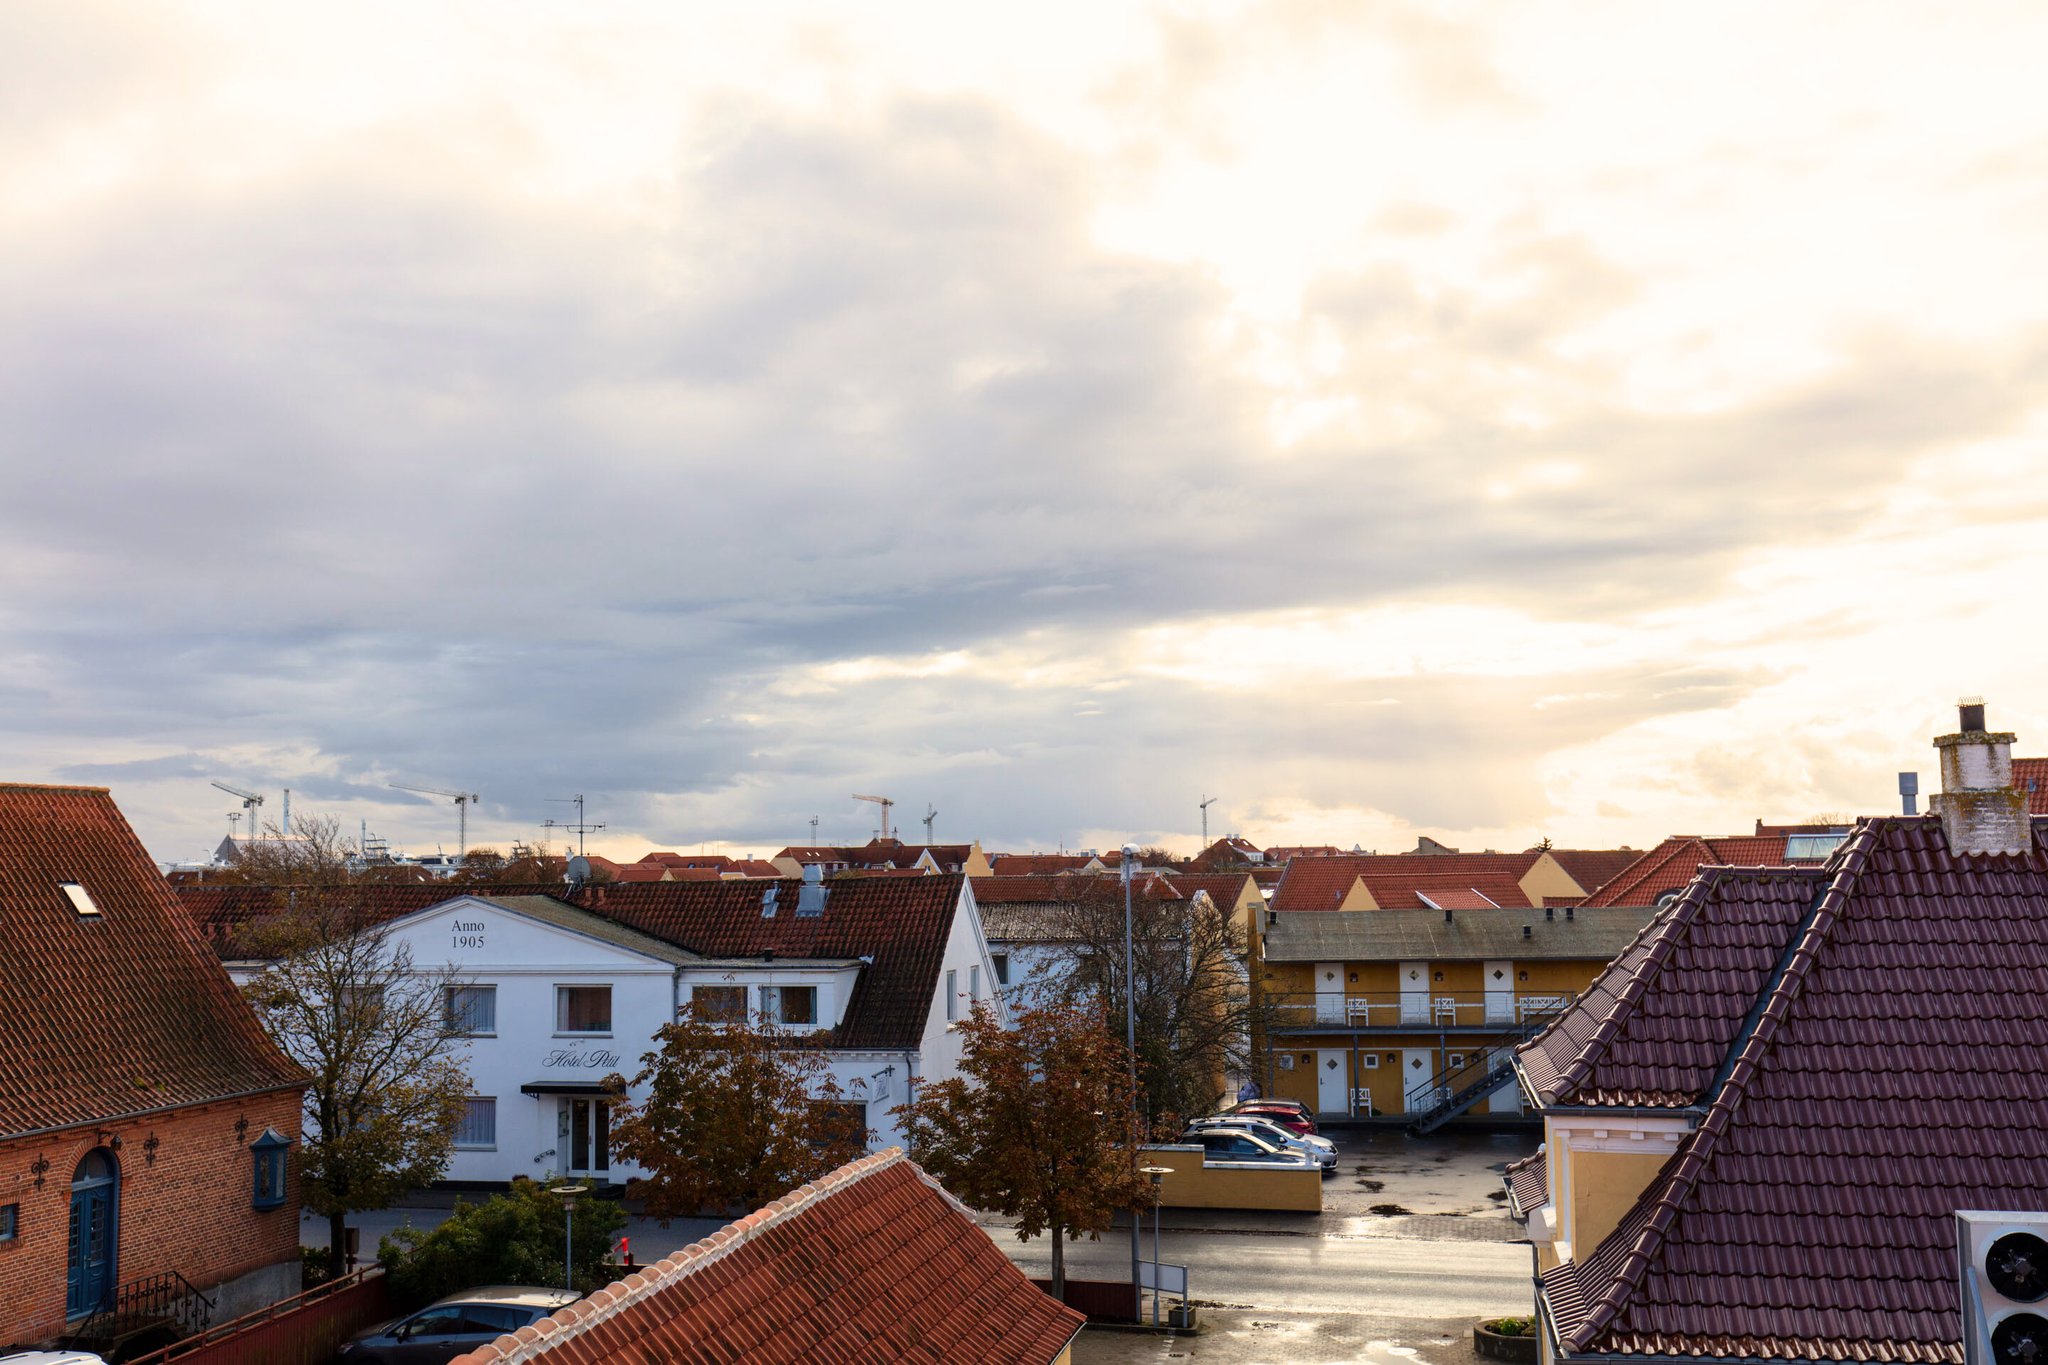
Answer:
(147, 1125)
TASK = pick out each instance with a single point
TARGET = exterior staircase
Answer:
(141, 1316)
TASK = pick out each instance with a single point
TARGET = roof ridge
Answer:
(53, 787)
(1663, 928)
(602, 1305)
(1657, 1214)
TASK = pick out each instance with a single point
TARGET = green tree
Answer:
(343, 1001)
(737, 1115)
(1039, 1126)
(512, 1238)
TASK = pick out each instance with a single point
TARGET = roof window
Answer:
(80, 898)
(1804, 847)
(768, 901)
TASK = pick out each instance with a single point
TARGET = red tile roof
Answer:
(713, 860)
(1280, 853)
(1456, 898)
(1669, 866)
(872, 1263)
(754, 867)
(1883, 1071)
(2030, 775)
(117, 1013)
(1036, 864)
(902, 923)
(1593, 868)
(1397, 879)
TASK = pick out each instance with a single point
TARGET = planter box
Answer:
(1494, 1346)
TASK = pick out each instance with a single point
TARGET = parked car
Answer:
(1285, 1113)
(1228, 1145)
(1296, 1105)
(1321, 1148)
(446, 1328)
(52, 1358)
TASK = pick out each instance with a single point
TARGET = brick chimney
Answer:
(1980, 809)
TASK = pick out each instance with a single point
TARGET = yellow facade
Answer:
(1604, 1186)
(1193, 1184)
(1372, 1002)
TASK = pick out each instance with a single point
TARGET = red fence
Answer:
(305, 1329)
(1104, 1300)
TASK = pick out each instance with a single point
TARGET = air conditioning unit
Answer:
(2003, 1262)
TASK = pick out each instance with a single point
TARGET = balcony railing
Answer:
(1426, 1009)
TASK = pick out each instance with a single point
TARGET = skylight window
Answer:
(80, 898)
(1814, 847)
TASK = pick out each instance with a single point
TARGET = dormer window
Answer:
(768, 901)
(790, 1005)
(80, 898)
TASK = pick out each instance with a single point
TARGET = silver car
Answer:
(446, 1328)
(1320, 1150)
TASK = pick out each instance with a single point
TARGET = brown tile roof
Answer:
(1314, 884)
(219, 912)
(902, 923)
(754, 867)
(1703, 972)
(667, 859)
(1528, 1182)
(118, 1013)
(874, 1262)
(1395, 879)
(1883, 1073)
(1280, 853)
(2030, 775)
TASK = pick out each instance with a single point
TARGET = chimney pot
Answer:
(1971, 713)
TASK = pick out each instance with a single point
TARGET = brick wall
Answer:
(189, 1209)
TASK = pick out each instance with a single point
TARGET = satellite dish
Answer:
(579, 870)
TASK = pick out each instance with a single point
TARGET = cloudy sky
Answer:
(1495, 421)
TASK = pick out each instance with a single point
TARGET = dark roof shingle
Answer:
(1879, 1081)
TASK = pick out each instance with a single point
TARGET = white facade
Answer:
(553, 1002)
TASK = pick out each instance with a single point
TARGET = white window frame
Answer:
(562, 1030)
(469, 1110)
(952, 995)
(449, 1019)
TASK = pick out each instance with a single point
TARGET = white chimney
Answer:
(1981, 811)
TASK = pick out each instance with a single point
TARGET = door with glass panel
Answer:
(584, 1130)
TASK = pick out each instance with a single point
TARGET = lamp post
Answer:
(1158, 1174)
(1130, 858)
(568, 1194)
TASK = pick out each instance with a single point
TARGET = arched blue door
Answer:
(95, 1205)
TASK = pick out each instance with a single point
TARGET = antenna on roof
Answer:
(929, 816)
(580, 828)
(1207, 801)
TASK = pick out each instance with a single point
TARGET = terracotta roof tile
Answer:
(1593, 868)
(1396, 879)
(872, 1263)
(1669, 866)
(116, 1013)
(1876, 1080)
(1035, 864)
(2030, 775)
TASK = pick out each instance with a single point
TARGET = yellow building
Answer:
(1417, 1012)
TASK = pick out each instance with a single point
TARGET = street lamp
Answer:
(568, 1195)
(1129, 860)
(1158, 1174)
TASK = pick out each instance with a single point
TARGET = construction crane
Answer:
(1207, 801)
(461, 800)
(885, 803)
(929, 816)
(250, 802)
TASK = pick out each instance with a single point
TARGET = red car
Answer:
(1289, 1115)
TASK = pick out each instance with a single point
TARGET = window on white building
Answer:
(952, 996)
(720, 1004)
(471, 1011)
(478, 1130)
(790, 1005)
(1002, 966)
(974, 982)
(583, 1009)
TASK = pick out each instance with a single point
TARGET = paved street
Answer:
(1410, 1248)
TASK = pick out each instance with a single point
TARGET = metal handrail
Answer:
(232, 1326)
(166, 1295)
(1414, 1009)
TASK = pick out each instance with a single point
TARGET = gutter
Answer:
(133, 1115)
